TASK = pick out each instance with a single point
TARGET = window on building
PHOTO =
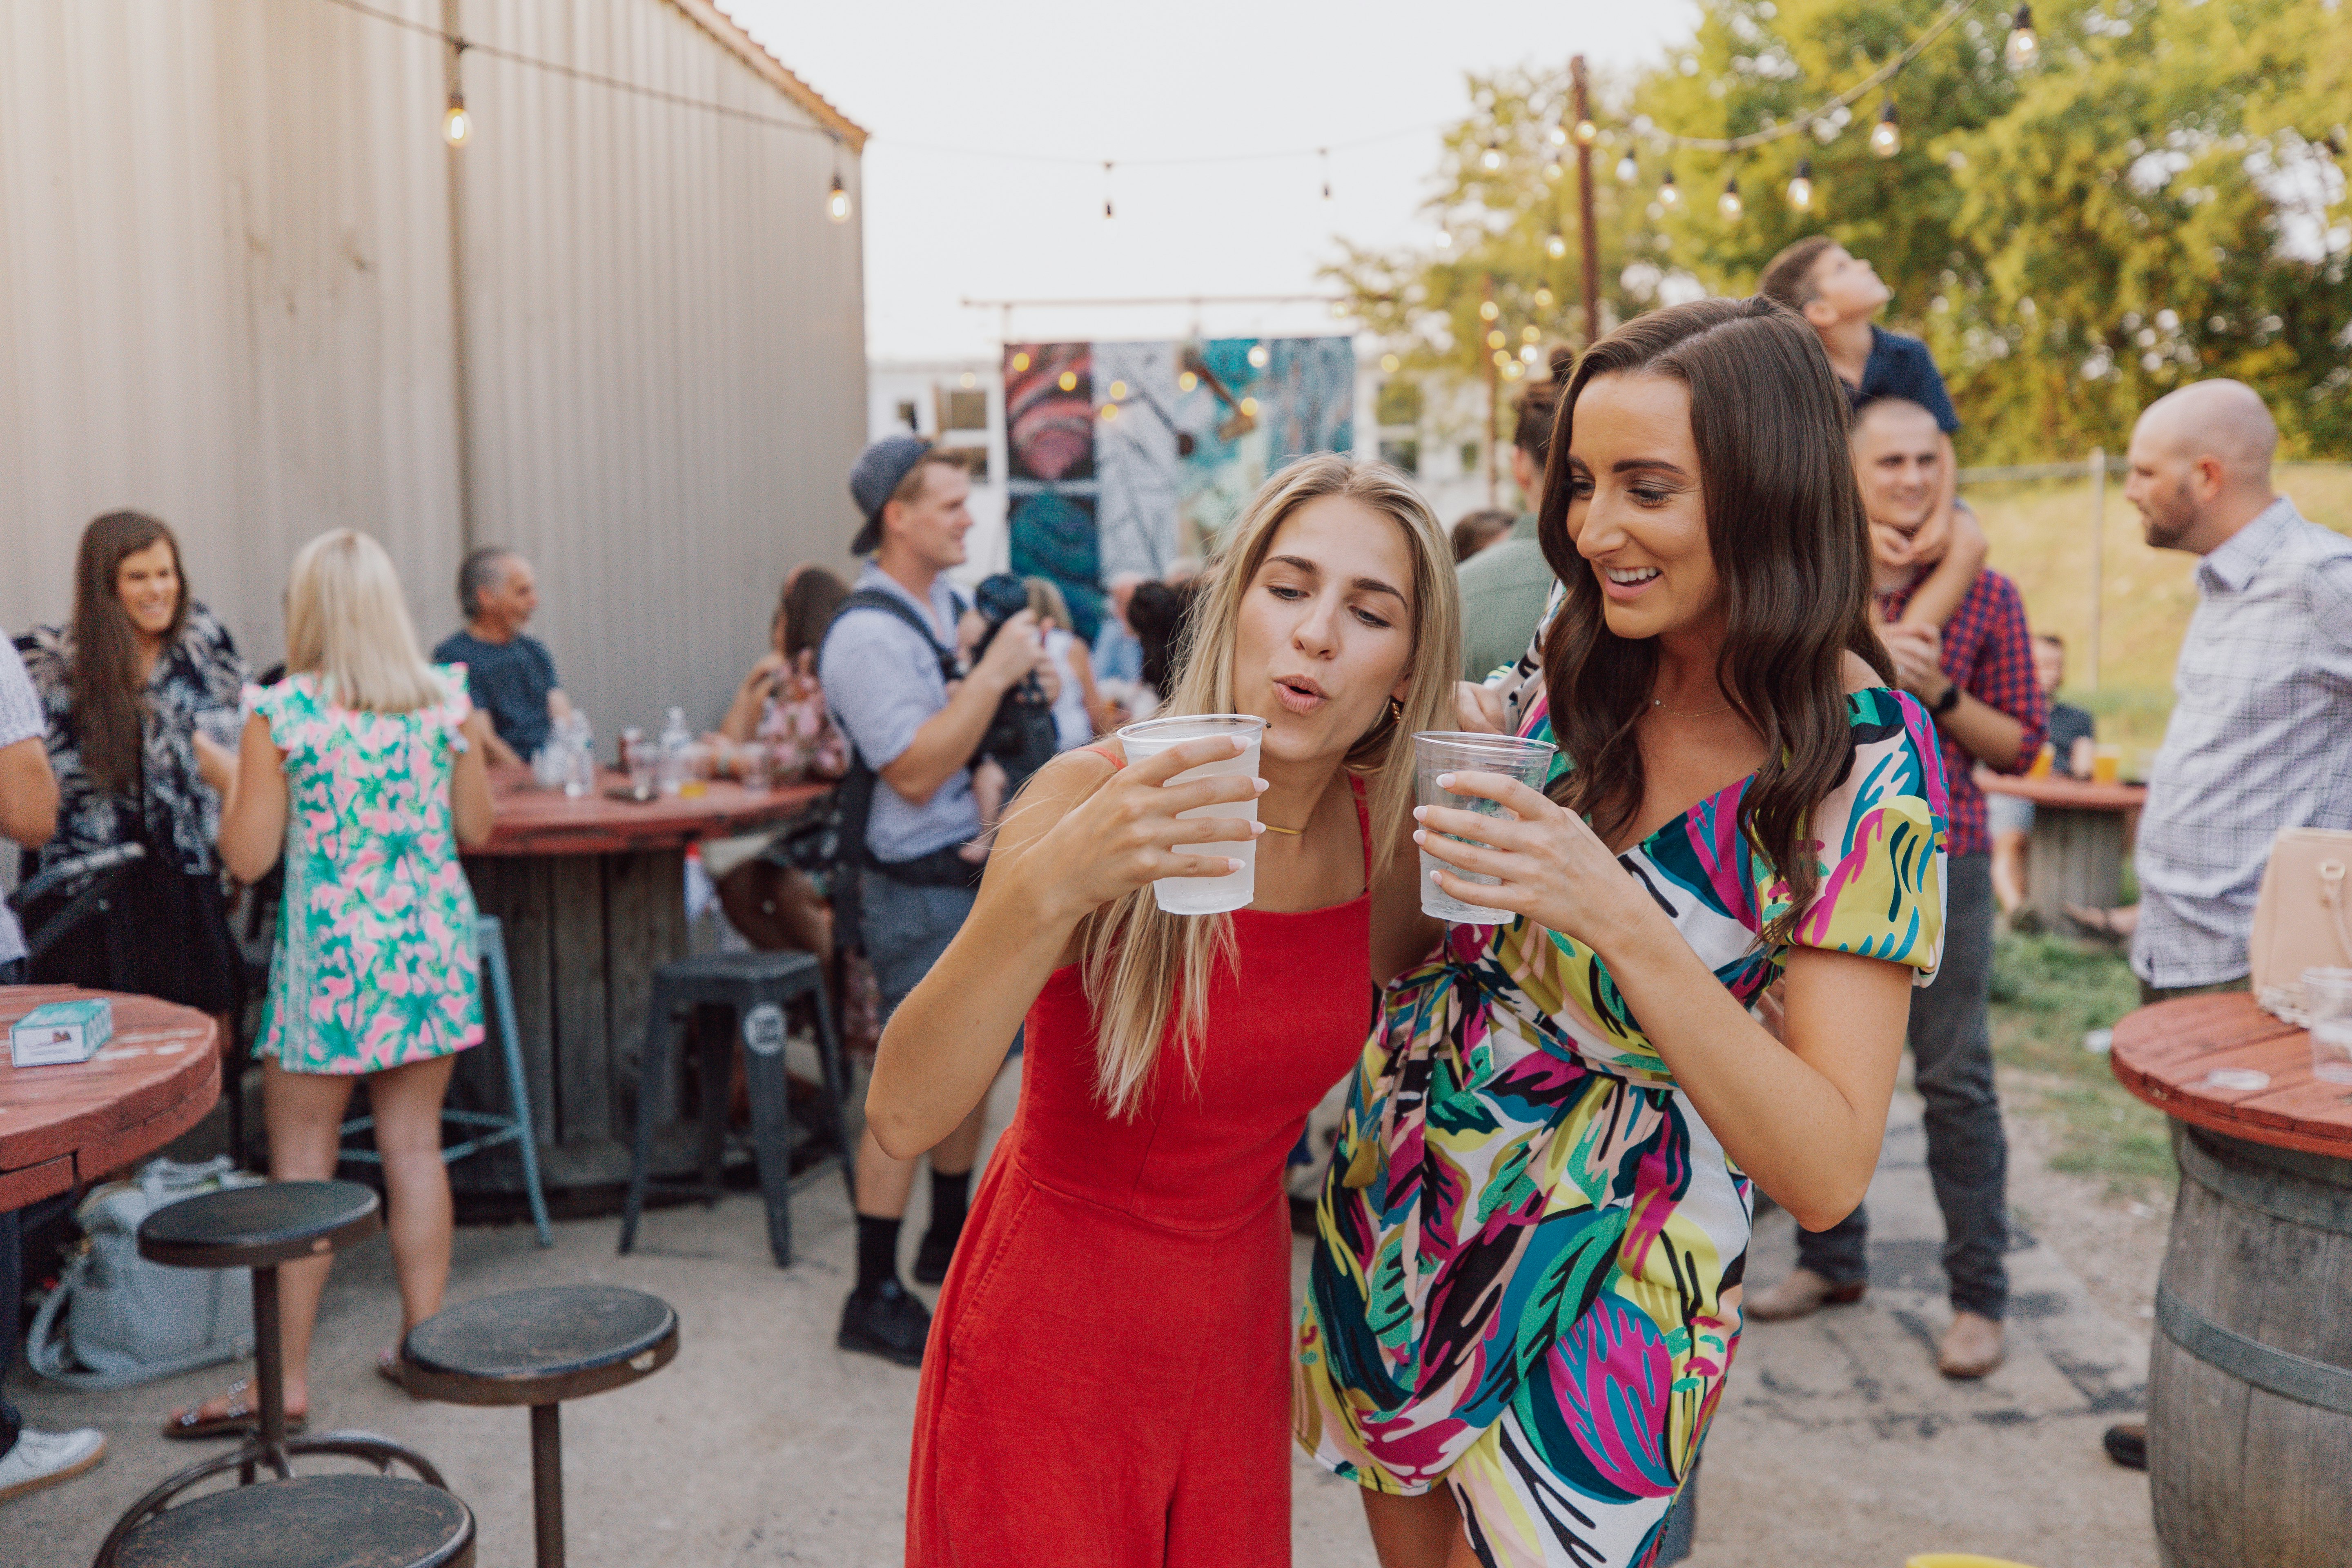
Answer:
(966, 411)
(1403, 453)
(1399, 403)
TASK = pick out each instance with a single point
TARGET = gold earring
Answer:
(1396, 709)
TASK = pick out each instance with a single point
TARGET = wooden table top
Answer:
(63, 1127)
(533, 821)
(2080, 794)
(2162, 1054)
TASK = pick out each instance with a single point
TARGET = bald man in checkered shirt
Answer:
(2261, 734)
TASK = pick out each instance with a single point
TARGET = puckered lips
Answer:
(1299, 693)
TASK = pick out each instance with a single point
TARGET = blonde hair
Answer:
(1046, 601)
(347, 623)
(1144, 967)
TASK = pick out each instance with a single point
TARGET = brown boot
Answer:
(1970, 1348)
(1803, 1292)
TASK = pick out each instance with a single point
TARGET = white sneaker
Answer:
(43, 1459)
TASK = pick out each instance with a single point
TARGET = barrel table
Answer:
(63, 1127)
(591, 892)
(2076, 852)
(2250, 1378)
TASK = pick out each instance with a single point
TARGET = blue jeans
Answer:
(1968, 1153)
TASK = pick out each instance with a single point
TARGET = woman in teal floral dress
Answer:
(1526, 1294)
(364, 768)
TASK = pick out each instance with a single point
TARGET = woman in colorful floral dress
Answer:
(1526, 1294)
(364, 768)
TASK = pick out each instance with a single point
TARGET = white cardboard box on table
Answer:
(58, 1033)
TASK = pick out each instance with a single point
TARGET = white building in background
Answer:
(248, 285)
(958, 403)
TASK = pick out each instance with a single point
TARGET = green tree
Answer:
(2160, 198)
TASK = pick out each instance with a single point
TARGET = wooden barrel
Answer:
(2250, 1379)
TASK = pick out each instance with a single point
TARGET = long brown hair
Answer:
(1791, 549)
(108, 693)
(812, 597)
(1144, 967)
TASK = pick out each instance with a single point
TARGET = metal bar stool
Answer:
(490, 942)
(312, 1521)
(755, 986)
(259, 1228)
(540, 1348)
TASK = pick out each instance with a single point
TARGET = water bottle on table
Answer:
(670, 769)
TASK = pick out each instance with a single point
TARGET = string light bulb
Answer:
(1628, 171)
(1729, 204)
(1491, 159)
(1586, 132)
(1106, 190)
(1556, 247)
(457, 125)
(2023, 48)
(1488, 309)
(1668, 196)
(837, 202)
(1557, 135)
(1886, 136)
(1800, 185)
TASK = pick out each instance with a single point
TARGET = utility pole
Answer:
(2098, 466)
(1586, 230)
(1487, 300)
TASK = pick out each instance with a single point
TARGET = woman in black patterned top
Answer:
(140, 693)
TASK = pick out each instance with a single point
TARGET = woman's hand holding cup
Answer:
(1124, 835)
(1550, 866)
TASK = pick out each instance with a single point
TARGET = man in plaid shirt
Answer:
(1976, 679)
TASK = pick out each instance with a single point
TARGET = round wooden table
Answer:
(2076, 848)
(2249, 1377)
(63, 1127)
(591, 893)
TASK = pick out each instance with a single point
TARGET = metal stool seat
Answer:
(260, 1228)
(515, 1127)
(755, 986)
(312, 1521)
(538, 1348)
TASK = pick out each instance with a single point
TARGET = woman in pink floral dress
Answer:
(364, 768)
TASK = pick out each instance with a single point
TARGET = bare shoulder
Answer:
(1858, 675)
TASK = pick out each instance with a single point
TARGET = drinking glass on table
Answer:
(755, 765)
(640, 757)
(1205, 895)
(2327, 1000)
(2107, 764)
(1438, 753)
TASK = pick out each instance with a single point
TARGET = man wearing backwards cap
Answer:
(887, 683)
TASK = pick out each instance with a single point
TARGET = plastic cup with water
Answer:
(2327, 1000)
(1437, 752)
(1205, 895)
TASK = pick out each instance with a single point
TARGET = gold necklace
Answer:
(1270, 827)
(1659, 703)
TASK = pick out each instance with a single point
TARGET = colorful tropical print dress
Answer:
(1527, 1275)
(375, 964)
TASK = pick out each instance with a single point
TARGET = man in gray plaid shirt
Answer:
(2261, 735)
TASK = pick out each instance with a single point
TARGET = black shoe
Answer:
(888, 1320)
(2127, 1445)
(932, 1258)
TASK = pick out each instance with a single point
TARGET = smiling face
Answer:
(1325, 630)
(148, 583)
(508, 603)
(925, 532)
(1898, 461)
(1636, 513)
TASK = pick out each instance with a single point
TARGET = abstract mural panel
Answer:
(1125, 457)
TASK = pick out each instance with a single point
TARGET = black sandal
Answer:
(239, 1420)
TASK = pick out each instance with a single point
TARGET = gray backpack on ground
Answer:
(128, 1321)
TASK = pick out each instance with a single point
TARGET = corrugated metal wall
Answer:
(225, 297)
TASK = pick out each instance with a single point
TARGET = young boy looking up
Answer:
(1838, 293)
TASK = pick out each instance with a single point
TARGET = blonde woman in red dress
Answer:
(1107, 1380)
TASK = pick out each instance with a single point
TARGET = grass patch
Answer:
(2048, 992)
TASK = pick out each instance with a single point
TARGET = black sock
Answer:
(950, 1196)
(877, 1250)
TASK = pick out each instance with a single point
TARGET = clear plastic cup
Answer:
(642, 758)
(1436, 752)
(1205, 895)
(2327, 1001)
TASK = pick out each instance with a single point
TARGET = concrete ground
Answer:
(1837, 1442)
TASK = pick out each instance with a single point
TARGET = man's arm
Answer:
(943, 746)
(559, 705)
(2000, 715)
(28, 792)
(1937, 599)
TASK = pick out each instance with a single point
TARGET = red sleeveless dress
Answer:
(1108, 1381)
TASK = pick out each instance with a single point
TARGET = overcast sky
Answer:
(944, 88)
